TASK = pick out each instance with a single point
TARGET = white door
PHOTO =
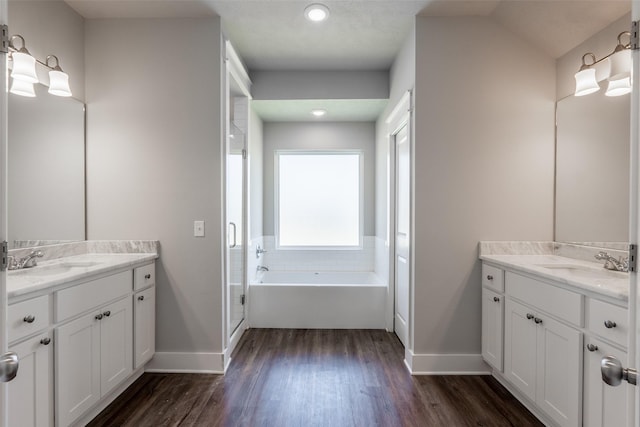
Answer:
(3, 214)
(520, 347)
(492, 328)
(402, 233)
(116, 338)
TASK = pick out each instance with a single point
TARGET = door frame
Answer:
(4, 337)
(400, 116)
(233, 69)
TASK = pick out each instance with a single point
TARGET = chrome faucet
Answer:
(26, 262)
(610, 263)
(261, 268)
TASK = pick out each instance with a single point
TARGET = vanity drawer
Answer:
(28, 317)
(492, 278)
(144, 276)
(599, 313)
(556, 301)
(83, 297)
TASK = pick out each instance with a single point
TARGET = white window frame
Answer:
(276, 194)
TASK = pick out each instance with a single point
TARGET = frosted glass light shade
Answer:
(586, 82)
(620, 65)
(59, 83)
(22, 88)
(619, 87)
(24, 67)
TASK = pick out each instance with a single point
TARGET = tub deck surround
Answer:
(80, 260)
(532, 257)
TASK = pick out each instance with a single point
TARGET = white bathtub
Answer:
(317, 300)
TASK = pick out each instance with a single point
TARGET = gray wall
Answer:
(153, 161)
(484, 150)
(52, 28)
(282, 136)
(600, 45)
(363, 84)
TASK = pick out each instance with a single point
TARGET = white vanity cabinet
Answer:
(31, 392)
(606, 329)
(531, 335)
(492, 315)
(604, 406)
(93, 355)
(144, 303)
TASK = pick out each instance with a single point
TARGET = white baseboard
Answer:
(202, 363)
(446, 364)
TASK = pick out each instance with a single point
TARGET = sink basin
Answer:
(53, 269)
(583, 271)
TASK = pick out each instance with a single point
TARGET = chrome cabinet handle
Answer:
(592, 347)
(45, 341)
(9, 363)
(537, 320)
(107, 313)
(99, 316)
(141, 298)
(489, 277)
(496, 299)
(530, 316)
(147, 276)
(30, 318)
(609, 324)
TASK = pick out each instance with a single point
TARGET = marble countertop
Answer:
(56, 274)
(616, 286)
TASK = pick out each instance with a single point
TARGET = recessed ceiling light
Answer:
(316, 12)
(318, 112)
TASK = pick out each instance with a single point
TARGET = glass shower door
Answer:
(236, 164)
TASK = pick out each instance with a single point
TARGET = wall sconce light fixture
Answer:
(24, 74)
(618, 74)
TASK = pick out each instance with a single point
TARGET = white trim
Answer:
(202, 363)
(106, 401)
(237, 69)
(235, 339)
(403, 106)
(446, 364)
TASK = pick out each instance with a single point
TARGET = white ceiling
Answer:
(360, 34)
(363, 34)
(338, 110)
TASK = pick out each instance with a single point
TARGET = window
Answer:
(319, 199)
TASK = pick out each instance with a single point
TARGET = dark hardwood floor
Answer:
(308, 378)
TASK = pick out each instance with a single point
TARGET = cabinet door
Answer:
(559, 371)
(492, 328)
(77, 381)
(145, 326)
(604, 406)
(520, 348)
(31, 392)
(116, 344)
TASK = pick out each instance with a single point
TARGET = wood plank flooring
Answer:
(309, 378)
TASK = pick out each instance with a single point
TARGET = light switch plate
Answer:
(198, 228)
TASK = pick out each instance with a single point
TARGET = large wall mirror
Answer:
(592, 169)
(46, 169)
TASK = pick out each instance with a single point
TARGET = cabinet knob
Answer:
(489, 277)
(496, 299)
(592, 347)
(537, 320)
(107, 313)
(30, 318)
(609, 324)
(45, 341)
(147, 276)
(141, 298)
(530, 316)
(99, 316)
